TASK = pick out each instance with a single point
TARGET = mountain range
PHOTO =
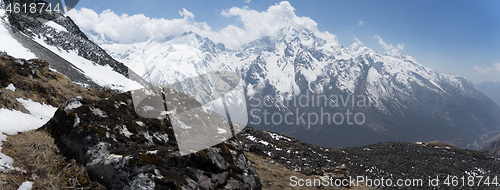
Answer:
(308, 88)
(323, 93)
(298, 84)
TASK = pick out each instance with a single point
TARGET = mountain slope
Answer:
(493, 148)
(490, 89)
(56, 39)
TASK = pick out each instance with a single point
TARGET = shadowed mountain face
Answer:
(490, 89)
(493, 149)
(370, 97)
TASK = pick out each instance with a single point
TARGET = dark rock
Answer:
(125, 151)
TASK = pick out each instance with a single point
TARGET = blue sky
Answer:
(451, 36)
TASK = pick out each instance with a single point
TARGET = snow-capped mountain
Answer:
(398, 98)
(56, 39)
(299, 84)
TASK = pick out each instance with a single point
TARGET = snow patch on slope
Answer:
(27, 185)
(11, 87)
(102, 75)
(10, 45)
(56, 26)
(14, 121)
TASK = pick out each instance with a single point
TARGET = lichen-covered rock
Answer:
(125, 151)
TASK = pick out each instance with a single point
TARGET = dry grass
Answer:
(35, 152)
(44, 86)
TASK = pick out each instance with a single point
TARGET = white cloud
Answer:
(247, 1)
(482, 70)
(382, 43)
(496, 66)
(401, 46)
(128, 29)
(389, 47)
(258, 24)
(186, 14)
(254, 25)
(487, 70)
(361, 22)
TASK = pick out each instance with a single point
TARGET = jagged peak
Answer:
(191, 39)
(303, 35)
(292, 31)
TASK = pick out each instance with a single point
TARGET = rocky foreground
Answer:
(122, 150)
(101, 140)
(390, 160)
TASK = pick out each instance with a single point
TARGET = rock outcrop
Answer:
(122, 150)
(33, 79)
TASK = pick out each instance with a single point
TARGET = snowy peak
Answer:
(196, 41)
(303, 37)
(181, 56)
(256, 46)
(278, 61)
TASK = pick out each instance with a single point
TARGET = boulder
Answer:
(123, 150)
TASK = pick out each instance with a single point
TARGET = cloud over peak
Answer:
(389, 47)
(127, 29)
(487, 70)
(186, 14)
